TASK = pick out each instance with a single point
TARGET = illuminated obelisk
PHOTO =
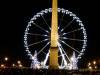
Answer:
(54, 36)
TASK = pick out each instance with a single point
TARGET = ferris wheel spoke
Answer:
(63, 57)
(60, 55)
(67, 26)
(44, 52)
(38, 34)
(46, 22)
(70, 46)
(46, 58)
(43, 48)
(61, 20)
(62, 61)
(64, 52)
(40, 27)
(71, 39)
(71, 31)
(37, 42)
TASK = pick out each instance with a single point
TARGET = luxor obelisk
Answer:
(54, 36)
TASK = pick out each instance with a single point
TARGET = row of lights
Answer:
(19, 64)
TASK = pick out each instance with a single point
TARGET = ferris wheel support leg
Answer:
(47, 56)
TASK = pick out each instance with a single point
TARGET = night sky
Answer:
(14, 16)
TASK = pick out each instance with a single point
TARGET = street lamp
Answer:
(2, 65)
(94, 62)
(19, 62)
(20, 65)
(13, 65)
(6, 58)
(89, 64)
(90, 67)
(95, 67)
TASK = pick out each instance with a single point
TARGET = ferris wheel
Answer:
(72, 38)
